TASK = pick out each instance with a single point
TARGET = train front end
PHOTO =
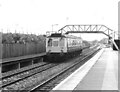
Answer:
(55, 44)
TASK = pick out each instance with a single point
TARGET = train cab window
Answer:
(61, 42)
(55, 43)
(50, 42)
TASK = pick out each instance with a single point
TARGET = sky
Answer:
(39, 16)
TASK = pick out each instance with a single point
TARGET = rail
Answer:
(44, 83)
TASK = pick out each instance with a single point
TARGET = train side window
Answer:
(55, 43)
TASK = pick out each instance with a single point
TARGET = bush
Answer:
(11, 38)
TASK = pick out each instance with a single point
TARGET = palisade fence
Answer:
(15, 50)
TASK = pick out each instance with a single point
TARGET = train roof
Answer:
(56, 35)
(63, 35)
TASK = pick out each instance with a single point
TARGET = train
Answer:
(60, 45)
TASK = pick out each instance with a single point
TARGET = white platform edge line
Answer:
(65, 80)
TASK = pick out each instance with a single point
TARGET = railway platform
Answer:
(99, 73)
(14, 63)
(13, 59)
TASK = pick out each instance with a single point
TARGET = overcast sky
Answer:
(38, 16)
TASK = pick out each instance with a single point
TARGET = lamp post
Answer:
(67, 18)
(53, 26)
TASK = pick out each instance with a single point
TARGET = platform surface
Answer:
(6, 60)
(102, 74)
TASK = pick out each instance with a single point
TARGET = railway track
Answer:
(43, 86)
(16, 77)
(36, 73)
(21, 70)
(51, 82)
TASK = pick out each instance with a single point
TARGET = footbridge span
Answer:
(90, 29)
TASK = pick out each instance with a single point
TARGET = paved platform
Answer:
(99, 73)
(6, 60)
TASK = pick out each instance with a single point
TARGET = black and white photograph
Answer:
(59, 45)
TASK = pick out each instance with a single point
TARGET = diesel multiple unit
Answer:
(63, 44)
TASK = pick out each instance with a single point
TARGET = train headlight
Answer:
(62, 51)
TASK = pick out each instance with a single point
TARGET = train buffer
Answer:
(99, 73)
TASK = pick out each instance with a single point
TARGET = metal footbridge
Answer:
(90, 29)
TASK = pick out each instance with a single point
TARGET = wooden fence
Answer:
(15, 50)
